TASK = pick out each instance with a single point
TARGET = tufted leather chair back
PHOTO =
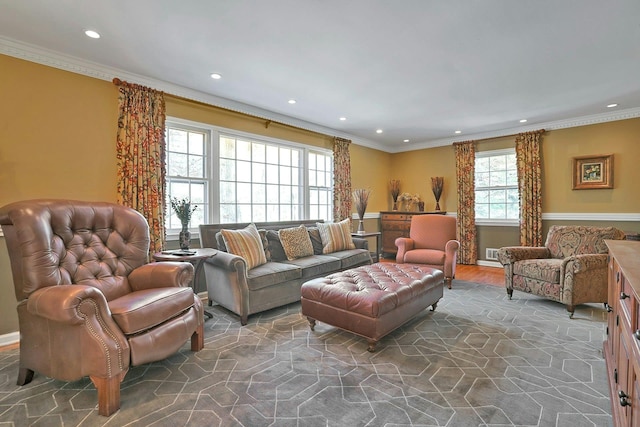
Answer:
(66, 242)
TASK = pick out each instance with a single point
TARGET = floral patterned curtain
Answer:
(466, 223)
(529, 187)
(341, 179)
(140, 154)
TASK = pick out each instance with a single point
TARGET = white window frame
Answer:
(213, 133)
(500, 221)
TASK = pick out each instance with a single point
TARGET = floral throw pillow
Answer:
(245, 243)
(336, 237)
(296, 242)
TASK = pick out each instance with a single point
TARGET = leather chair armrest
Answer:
(511, 254)
(61, 303)
(161, 275)
(403, 244)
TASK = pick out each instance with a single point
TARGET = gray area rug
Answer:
(478, 360)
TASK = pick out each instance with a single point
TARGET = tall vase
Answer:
(437, 205)
(361, 226)
(395, 205)
(184, 237)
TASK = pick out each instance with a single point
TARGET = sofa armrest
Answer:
(227, 261)
(403, 244)
(511, 254)
(360, 243)
(161, 275)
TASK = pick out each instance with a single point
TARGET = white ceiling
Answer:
(418, 69)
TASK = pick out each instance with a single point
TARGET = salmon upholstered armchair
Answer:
(432, 241)
(571, 267)
(89, 304)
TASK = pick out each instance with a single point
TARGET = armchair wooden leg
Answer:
(447, 281)
(25, 376)
(571, 309)
(509, 293)
(108, 394)
(197, 339)
(244, 320)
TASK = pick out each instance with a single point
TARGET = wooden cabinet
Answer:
(394, 224)
(622, 344)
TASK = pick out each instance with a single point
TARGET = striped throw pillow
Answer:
(245, 243)
(336, 237)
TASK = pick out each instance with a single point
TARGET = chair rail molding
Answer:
(585, 216)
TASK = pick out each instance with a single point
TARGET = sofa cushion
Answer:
(425, 256)
(296, 242)
(336, 237)
(247, 244)
(142, 310)
(546, 270)
(316, 240)
(272, 273)
(352, 257)
(316, 265)
(275, 246)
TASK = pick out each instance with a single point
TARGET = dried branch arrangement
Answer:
(361, 199)
(437, 183)
(394, 186)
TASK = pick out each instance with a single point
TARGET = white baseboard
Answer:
(484, 263)
(10, 338)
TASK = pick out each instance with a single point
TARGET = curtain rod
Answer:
(501, 136)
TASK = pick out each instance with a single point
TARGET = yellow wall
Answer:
(414, 169)
(57, 134)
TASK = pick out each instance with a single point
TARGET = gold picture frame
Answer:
(593, 172)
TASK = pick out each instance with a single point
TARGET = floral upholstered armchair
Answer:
(571, 268)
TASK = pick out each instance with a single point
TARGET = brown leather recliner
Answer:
(89, 303)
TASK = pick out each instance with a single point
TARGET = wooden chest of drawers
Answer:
(394, 224)
(622, 344)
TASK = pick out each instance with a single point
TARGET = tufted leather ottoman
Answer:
(372, 300)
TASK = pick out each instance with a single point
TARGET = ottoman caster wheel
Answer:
(372, 346)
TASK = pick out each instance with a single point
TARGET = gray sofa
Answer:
(277, 282)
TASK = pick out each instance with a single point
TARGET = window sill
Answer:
(498, 222)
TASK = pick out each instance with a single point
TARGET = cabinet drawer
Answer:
(394, 217)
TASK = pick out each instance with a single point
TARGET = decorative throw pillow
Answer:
(220, 242)
(296, 242)
(245, 243)
(265, 243)
(316, 240)
(275, 246)
(336, 237)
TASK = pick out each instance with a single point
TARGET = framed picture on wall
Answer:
(593, 172)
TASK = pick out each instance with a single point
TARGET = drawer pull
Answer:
(636, 334)
(617, 276)
(624, 296)
(609, 308)
(624, 401)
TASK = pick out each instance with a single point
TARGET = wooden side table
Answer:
(194, 256)
(375, 234)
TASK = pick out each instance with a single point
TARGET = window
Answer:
(187, 172)
(237, 177)
(320, 186)
(259, 181)
(496, 183)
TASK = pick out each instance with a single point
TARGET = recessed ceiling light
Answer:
(458, 131)
(216, 76)
(612, 105)
(523, 121)
(292, 101)
(92, 34)
(406, 140)
(379, 131)
(342, 119)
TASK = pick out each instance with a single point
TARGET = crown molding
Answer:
(54, 59)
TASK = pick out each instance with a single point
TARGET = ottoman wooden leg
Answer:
(312, 323)
(372, 346)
